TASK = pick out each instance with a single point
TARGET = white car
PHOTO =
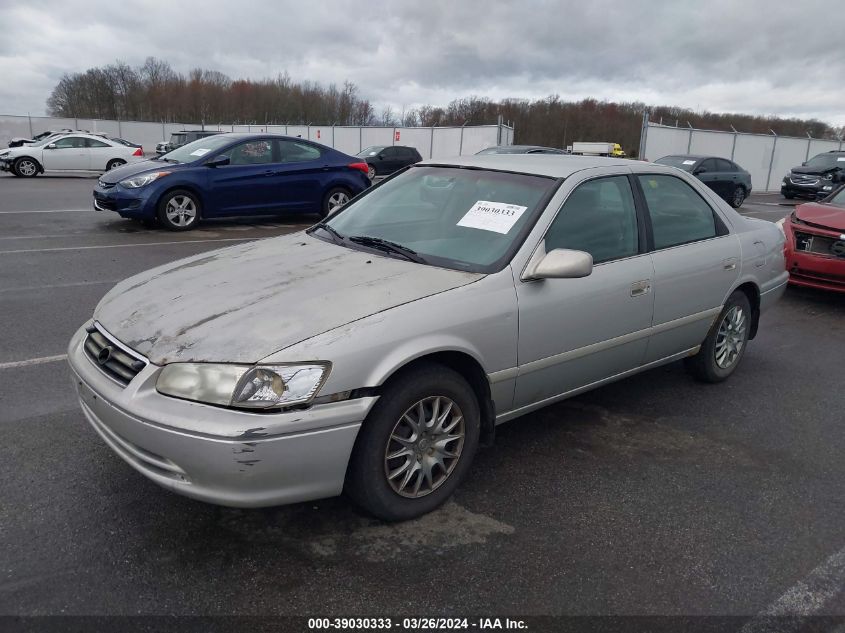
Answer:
(70, 152)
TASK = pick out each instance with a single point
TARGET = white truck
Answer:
(598, 149)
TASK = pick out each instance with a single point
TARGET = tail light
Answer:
(138, 152)
(359, 166)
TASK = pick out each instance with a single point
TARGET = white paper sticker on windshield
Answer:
(840, 160)
(689, 162)
(492, 216)
(200, 152)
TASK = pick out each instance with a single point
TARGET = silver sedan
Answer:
(374, 352)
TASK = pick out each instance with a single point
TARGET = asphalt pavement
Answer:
(654, 495)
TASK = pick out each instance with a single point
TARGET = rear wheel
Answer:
(416, 445)
(115, 163)
(333, 200)
(738, 197)
(179, 210)
(725, 345)
(26, 167)
(371, 172)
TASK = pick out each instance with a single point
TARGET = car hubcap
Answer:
(337, 200)
(730, 337)
(116, 164)
(739, 196)
(27, 168)
(371, 172)
(424, 447)
(181, 210)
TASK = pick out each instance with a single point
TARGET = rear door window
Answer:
(294, 152)
(678, 214)
(724, 165)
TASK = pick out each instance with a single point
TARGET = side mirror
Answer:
(51, 146)
(804, 164)
(217, 161)
(561, 263)
(700, 170)
(380, 156)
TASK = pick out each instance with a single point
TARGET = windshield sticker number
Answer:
(689, 162)
(498, 217)
(200, 152)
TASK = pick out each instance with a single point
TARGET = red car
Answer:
(815, 243)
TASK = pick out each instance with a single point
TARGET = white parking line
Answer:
(807, 597)
(33, 361)
(48, 211)
(83, 248)
(53, 286)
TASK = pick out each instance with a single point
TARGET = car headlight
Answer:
(827, 177)
(244, 386)
(144, 179)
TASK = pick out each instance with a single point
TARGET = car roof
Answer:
(554, 165)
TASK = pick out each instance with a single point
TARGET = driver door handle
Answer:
(640, 288)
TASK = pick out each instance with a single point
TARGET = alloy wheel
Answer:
(730, 337)
(424, 447)
(27, 168)
(739, 196)
(181, 211)
(371, 172)
(337, 199)
(115, 164)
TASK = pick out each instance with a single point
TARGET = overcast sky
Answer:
(753, 56)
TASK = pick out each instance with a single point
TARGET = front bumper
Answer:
(817, 190)
(218, 455)
(129, 203)
(5, 165)
(813, 270)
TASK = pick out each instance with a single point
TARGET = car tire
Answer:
(26, 167)
(724, 347)
(371, 172)
(115, 163)
(737, 197)
(789, 196)
(436, 464)
(179, 210)
(335, 197)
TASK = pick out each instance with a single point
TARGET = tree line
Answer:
(156, 92)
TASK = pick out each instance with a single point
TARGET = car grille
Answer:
(114, 360)
(802, 179)
(819, 244)
(105, 185)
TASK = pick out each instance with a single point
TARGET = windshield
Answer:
(827, 161)
(370, 151)
(838, 198)
(196, 150)
(468, 219)
(681, 162)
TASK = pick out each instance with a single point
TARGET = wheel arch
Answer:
(467, 366)
(33, 159)
(752, 291)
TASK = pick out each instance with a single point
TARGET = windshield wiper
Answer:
(336, 237)
(388, 247)
(169, 160)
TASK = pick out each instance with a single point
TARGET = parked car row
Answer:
(68, 152)
(232, 175)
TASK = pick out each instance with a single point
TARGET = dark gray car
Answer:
(725, 177)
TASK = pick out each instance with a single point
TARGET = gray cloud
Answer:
(719, 55)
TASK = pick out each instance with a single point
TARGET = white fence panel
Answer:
(663, 141)
(298, 130)
(753, 153)
(789, 152)
(712, 143)
(447, 142)
(419, 138)
(818, 147)
(14, 127)
(347, 140)
(377, 136)
(476, 139)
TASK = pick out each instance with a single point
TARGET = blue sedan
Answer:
(232, 175)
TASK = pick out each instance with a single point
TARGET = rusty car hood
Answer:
(825, 215)
(242, 303)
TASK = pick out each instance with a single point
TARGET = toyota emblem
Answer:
(105, 355)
